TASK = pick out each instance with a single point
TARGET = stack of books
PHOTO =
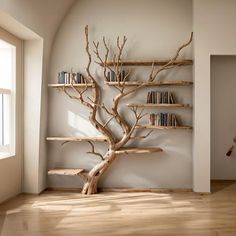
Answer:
(164, 119)
(69, 78)
(111, 75)
(161, 97)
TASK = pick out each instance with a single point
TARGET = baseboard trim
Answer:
(10, 198)
(126, 190)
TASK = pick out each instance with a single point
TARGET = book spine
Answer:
(152, 119)
(166, 97)
(172, 98)
(158, 120)
(168, 119)
(149, 97)
(113, 76)
(123, 75)
(158, 97)
(61, 77)
(70, 78)
(152, 97)
(78, 78)
(67, 78)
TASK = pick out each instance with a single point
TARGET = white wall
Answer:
(43, 18)
(223, 116)
(155, 29)
(32, 100)
(215, 34)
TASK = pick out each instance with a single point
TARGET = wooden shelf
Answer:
(138, 150)
(77, 139)
(69, 172)
(150, 63)
(158, 83)
(69, 85)
(160, 105)
(162, 127)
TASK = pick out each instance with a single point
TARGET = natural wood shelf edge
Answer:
(77, 139)
(162, 127)
(177, 105)
(69, 85)
(149, 63)
(148, 84)
(66, 171)
(138, 150)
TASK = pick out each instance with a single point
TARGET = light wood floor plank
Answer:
(55, 213)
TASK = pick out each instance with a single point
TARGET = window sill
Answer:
(4, 155)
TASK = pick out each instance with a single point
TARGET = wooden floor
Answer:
(63, 213)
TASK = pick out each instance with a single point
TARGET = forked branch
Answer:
(170, 63)
(93, 151)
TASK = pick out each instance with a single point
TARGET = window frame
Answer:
(7, 151)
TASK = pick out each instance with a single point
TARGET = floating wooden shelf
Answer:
(162, 127)
(158, 83)
(159, 105)
(69, 172)
(150, 63)
(138, 150)
(77, 139)
(69, 85)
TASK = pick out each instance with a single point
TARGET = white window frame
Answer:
(9, 150)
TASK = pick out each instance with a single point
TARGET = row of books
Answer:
(164, 119)
(69, 78)
(157, 97)
(111, 76)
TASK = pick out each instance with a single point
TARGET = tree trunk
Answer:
(91, 185)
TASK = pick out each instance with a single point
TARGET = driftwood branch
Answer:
(93, 150)
(95, 105)
(142, 137)
(169, 64)
(108, 121)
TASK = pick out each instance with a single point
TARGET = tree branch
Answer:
(142, 137)
(108, 121)
(93, 150)
(153, 75)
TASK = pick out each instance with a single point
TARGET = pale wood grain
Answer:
(69, 85)
(148, 63)
(122, 214)
(138, 150)
(159, 105)
(148, 84)
(67, 171)
(75, 139)
(162, 127)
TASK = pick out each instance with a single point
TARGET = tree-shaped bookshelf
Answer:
(124, 87)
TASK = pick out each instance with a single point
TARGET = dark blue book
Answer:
(78, 78)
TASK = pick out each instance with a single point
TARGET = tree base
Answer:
(90, 187)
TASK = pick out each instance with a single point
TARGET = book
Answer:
(172, 99)
(164, 97)
(67, 78)
(61, 77)
(158, 97)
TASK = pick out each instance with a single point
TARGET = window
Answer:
(7, 103)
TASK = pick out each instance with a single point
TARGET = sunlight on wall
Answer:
(81, 124)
